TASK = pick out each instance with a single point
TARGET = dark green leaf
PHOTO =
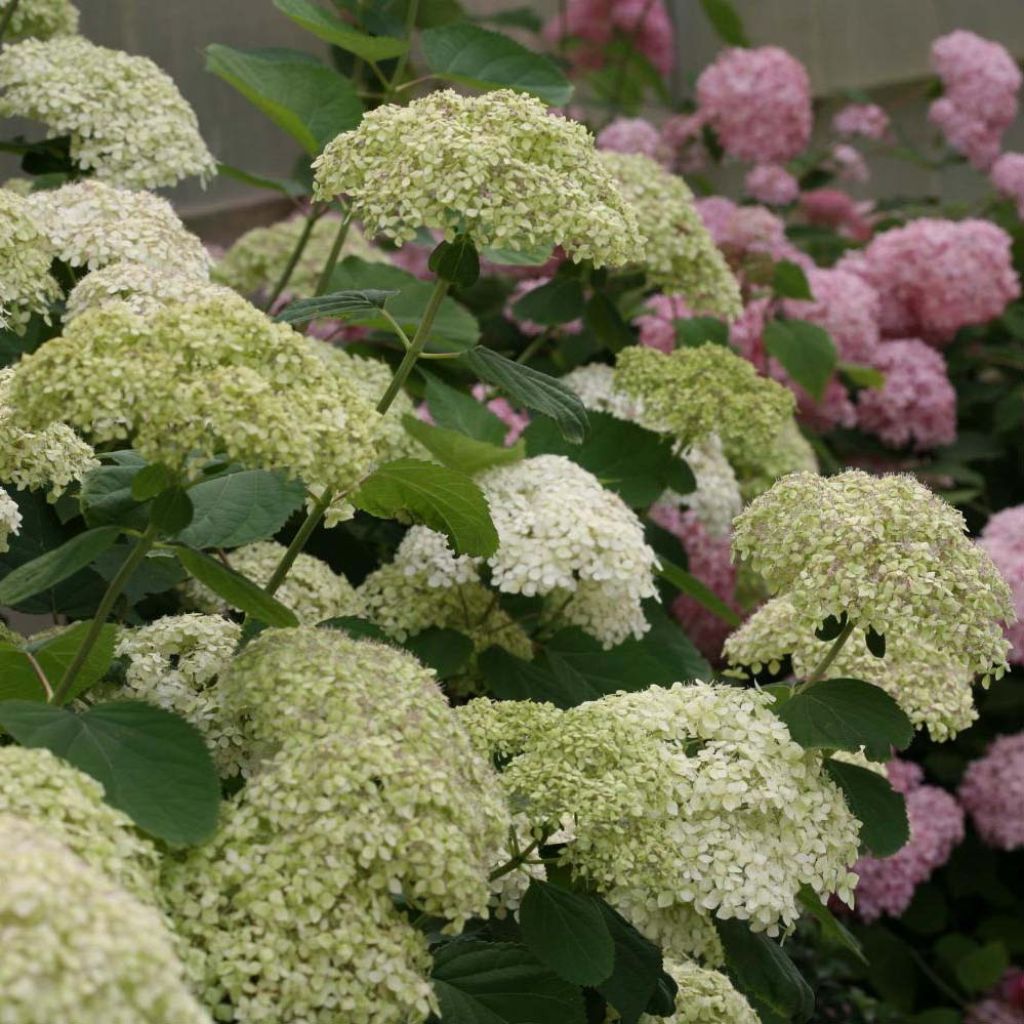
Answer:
(337, 305)
(556, 302)
(446, 651)
(764, 974)
(516, 17)
(530, 388)
(441, 498)
(298, 93)
(286, 186)
(233, 509)
(695, 331)
(171, 510)
(153, 765)
(360, 629)
(603, 319)
(458, 411)
(983, 967)
(875, 642)
(881, 810)
(892, 968)
(501, 983)
(106, 494)
(790, 282)
(459, 452)
(150, 480)
(473, 56)
(456, 261)
(510, 678)
(637, 971)
(832, 930)
(847, 714)
(326, 25)
(237, 591)
(688, 584)
(20, 666)
(806, 352)
(831, 627)
(725, 21)
(158, 572)
(53, 566)
(567, 932)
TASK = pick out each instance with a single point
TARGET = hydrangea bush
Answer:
(500, 590)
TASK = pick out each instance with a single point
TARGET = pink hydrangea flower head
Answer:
(657, 325)
(935, 276)
(515, 419)
(846, 306)
(682, 135)
(529, 327)
(771, 184)
(966, 133)
(992, 792)
(887, 884)
(834, 208)
(836, 408)
(744, 230)
(759, 103)
(993, 1011)
(746, 334)
(867, 120)
(634, 135)
(848, 164)
(1007, 177)
(904, 776)
(917, 403)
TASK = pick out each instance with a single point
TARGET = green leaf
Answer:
(501, 983)
(286, 186)
(20, 666)
(326, 25)
(475, 57)
(457, 261)
(233, 509)
(567, 932)
(50, 568)
(515, 17)
(441, 498)
(603, 319)
(881, 810)
(459, 452)
(764, 974)
(106, 494)
(725, 21)
(458, 411)
(158, 572)
(337, 305)
(535, 257)
(237, 591)
(446, 651)
(298, 93)
(695, 331)
(847, 714)
(832, 929)
(153, 765)
(530, 388)
(982, 968)
(637, 971)
(171, 510)
(556, 302)
(635, 463)
(150, 480)
(688, 584)
(359, 629)
(790, 282)
(862, 376)
(806, 352)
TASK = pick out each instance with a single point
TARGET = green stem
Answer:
(106, 606)
(513, 862)
(293, 260)
(532, 349)
(311, 522)
(833, 653)
(403, 60)
(5, 21)
(332, 260)
(412, 353)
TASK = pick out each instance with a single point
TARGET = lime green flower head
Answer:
(40, 19)
(26, 285)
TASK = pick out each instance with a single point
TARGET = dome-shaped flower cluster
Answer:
(40, 19)
(916, 404)
(91, 224)
(26, 285)
(679, 254)
(1003, 539)
(771, 184)
(244, 387)
(980, 80)
(887, 552)
(633, 135)
(78, 948)
(935, 276)
(1007, 176)
(990, 792)
(886, 885)
(497, 167)
(867, 120)
(759, 103)
(127, 121)
(704, 997)
(748, 233)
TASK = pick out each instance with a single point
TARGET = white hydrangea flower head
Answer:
(144, 289)
(716, 499)
(26, 284)
(312, 589)
(10, 519)
(40, 19)
(202, 379)
(127, 121)
(256, 261)
(560, 532)
(68, 805)
(679, 254)
(48, 459)
(497, 167)
(174, 663)
(887, 552)
(92, 224)
(704, 997)
(789, 452)
(76, 946)
(694, 392)
(426, 552)
(594, 385)
(693, 795)
(680, 930)
(931, 684)
(500, 730)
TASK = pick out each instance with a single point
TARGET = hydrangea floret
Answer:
(496, 167)
(990, 793)
(10, 519)
(26, 284)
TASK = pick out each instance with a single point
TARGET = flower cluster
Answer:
(679, 255)
(980, 80)
(746, 233)
(771, 184)
(26, 285)
(704, 997)
(990, 793)
(1003, 539)
(935, 276)
(633, 135)
(656, 325)
(887, 885)
(40, 19)
(10, 519)
(916, 404)
(759, 103)
(884, 550)
(49, 457)
(497, 167)
(245, 387)
(127, 121)
(867, 120)
(594, 385)
(78, 948)
(1007, 176)
(790, 452)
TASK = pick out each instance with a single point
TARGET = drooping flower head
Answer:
(759, 103)
(679, 254)
(497, 167)
(127, 121)
(990, 792)
(40, 19)
(26, 285)
(1003, 539)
